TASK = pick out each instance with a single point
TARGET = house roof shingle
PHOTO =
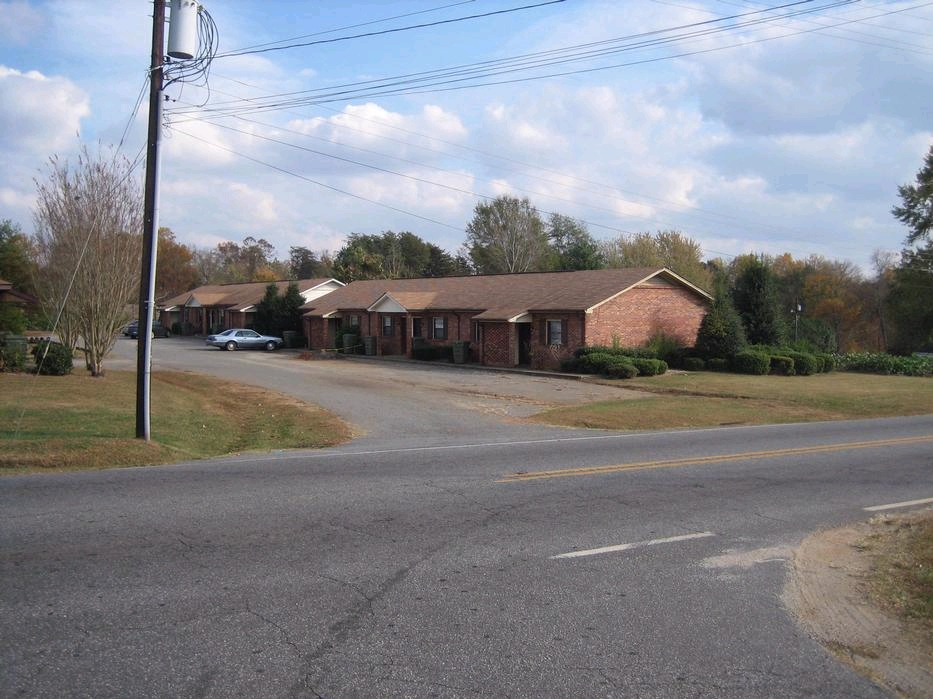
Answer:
(237, 296)
(496, 297)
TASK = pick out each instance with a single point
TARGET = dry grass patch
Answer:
(902, 570)
(58, 423)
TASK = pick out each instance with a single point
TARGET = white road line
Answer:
(895, 505)
(635, 545)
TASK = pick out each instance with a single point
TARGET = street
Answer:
(492, 558)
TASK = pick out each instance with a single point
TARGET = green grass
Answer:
(709, 399)
(64, 423)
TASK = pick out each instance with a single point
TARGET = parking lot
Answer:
(385, 397)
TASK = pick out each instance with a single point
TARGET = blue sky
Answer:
(749, 129)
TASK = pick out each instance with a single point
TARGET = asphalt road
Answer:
(439, 566)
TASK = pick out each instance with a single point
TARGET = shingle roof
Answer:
(237, 296)
(495, 297)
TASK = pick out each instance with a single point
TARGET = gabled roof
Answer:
(10, 295)
(243, 295)
(498, 297)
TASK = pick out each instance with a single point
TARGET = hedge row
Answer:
(615, 363)
(759, 361)
(878, 363)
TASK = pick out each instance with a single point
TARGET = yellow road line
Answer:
(718, 458)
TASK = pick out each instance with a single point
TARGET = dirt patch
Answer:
(829, 589)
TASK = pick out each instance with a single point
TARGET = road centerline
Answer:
(715, 458)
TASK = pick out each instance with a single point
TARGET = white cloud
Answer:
(38, 112)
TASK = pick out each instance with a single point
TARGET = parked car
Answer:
(158, 330)
(243, 338)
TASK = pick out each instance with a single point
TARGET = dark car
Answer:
(243, 338)
(158, 330)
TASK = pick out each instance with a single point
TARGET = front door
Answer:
(524, 344)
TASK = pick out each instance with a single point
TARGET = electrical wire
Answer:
(354, 26)
(389, 31)
(466, 76)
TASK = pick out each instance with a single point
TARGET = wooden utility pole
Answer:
(150, 225)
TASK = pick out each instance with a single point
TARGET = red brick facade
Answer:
(633, 318)
(504, 325)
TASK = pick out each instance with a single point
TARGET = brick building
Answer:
(532, 319)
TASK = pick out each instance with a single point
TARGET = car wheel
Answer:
(230, 346)
(270, 345)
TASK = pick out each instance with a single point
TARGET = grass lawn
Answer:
(65, 423)
(709, 399)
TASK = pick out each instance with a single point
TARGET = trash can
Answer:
(461, 352)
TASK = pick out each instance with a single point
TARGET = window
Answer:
(353, 321)
(439, 326)
(555, 332)
(416, 327)
(387, 326)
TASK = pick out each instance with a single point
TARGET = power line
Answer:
(352, 26)
(389, 31)
(466, 76)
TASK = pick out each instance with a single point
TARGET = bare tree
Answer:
(88, 223)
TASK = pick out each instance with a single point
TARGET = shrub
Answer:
(694, 364)
(12, 357)
(805, 364)
(717, 364)
(752, 362)
(649, 367)
(52, 358)
(620, 368)
(571, 364)
(666, 347)
(782, 365)
(721, 333)
(829, 362)
(595, 362)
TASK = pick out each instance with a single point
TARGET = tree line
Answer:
(89, 213)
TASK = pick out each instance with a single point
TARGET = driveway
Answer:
(386, 398)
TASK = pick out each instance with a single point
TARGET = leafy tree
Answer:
(755, 297)
(229, 262)
(910, 301)
(16, 259)
(916, 209)
(305, 264)
(507, 235)
(277, 313)
(834, 290)
(671, 249)
(176, 271)
(391, 255)
(357, 260)
(574, 247)
(87, 240)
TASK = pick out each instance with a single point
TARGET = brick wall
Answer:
(639, 314)
(545, 356)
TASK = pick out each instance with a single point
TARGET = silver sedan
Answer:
(243, 338)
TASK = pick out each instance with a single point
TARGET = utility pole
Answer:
(150, 225)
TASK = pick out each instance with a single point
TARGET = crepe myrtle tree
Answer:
(88, 240)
